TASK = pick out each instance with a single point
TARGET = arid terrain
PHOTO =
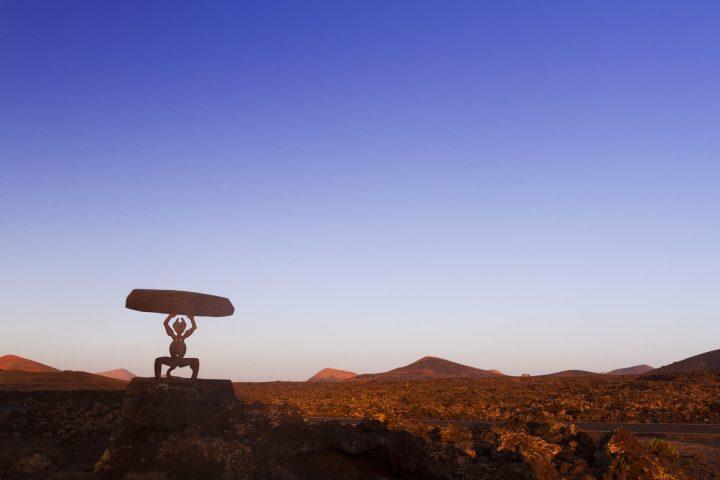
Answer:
(174, 435)
(654, 398)
(663, 398)
(57, 424)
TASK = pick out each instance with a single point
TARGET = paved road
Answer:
(656, 428)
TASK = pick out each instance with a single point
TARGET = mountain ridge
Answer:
(570, 373)
(16, 362)
(428, 368)
(634, 370)
(327, 375)
(118, 374)
(701, 362)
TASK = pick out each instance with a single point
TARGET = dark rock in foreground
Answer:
(200, 431)
(43, 434)
(171, 427)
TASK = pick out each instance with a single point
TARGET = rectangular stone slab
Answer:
(179, 302)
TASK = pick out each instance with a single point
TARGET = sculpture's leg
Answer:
(194, 366)
(159, 362)
(193, 363)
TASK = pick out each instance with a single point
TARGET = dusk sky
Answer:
(526, 186)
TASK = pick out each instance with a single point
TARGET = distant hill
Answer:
(570, 373)
(704, 361)
(118, 374)
(14, 362)
(332, 375)
(66, 380)
(429, 368)
(636, 370)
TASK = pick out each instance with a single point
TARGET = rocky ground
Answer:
(672, 398)
(698, 455)
(203, 432)
(43, 434)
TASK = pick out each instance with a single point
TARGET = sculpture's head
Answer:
(179, 326)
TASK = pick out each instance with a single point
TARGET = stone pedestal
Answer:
(168, 426)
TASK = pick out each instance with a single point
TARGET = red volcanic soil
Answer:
(429, 368)
(18, 380)
(570, 373)
(13, 362)
(704, 361)
(332, 375)
(636, 370)
(118, 374)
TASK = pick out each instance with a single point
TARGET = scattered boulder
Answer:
(555, 450)
(622, 456)
(35, 463)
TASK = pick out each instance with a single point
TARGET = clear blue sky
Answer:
(525, 186)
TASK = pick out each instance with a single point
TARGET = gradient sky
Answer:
(525, 186)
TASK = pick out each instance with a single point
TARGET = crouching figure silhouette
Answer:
(177, 348)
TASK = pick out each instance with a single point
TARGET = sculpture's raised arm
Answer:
(166, 323)
(193, 328)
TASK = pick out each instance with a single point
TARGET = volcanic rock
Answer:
(621, 455)
(170, 427)
(200, 430)
(553, 450)
(35, 463)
